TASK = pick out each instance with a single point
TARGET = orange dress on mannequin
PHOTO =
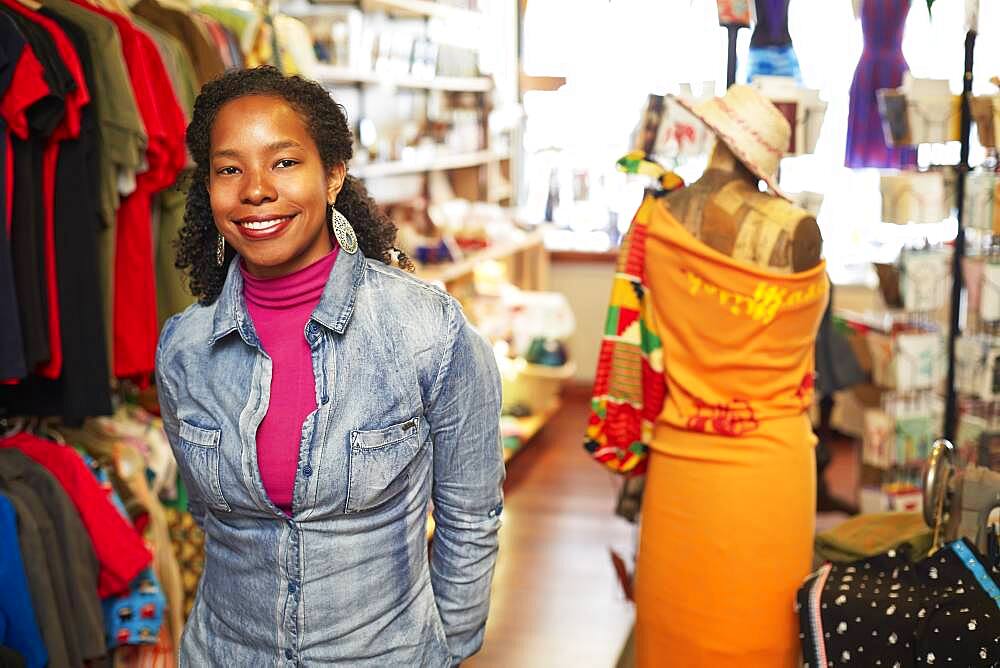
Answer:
(718, 413)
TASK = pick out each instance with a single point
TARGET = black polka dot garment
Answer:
(887, 611)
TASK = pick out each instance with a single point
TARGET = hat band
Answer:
(749, 130)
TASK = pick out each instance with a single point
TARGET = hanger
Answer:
(12, 425)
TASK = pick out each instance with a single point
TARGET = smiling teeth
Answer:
(265, 224)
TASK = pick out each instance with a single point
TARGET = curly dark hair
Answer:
(326, 122)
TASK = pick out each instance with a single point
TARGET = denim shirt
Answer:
(408, 411)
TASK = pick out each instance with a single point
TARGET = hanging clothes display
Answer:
(100, 563)
(771, 51)
(94, 102)
(882, 65)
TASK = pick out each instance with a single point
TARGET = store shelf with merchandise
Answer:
(438, 163)
(333, 74)
(438, 149)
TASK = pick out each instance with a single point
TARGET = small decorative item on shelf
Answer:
(989, 300)
(985, 112)
(888, 284)
(914, 197)
(907, 362)
(990, 388)
(546, 352)
(924, 280)
(801, 107)
(980, 188)
(971, 356)
(892, 108)
(932, 113)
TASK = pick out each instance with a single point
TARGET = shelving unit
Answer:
(419, 9)
(528, 428)
(332, 74)
(528, 254)
(436, 164)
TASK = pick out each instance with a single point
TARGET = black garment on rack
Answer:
(83, 389)
(11, 659)
(888, 611)
(28, 225)
(12, 363)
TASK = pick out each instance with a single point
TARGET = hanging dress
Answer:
(882, 65)
(704, 381)
(771, 51)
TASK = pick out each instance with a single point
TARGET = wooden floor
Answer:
(556, 599)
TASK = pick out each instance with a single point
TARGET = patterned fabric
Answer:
(189, 545)
(882, 65)
(136, 617)
(629, 387)
(773, 61)
(943, 610)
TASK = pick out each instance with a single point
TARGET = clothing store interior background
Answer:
(512, 143)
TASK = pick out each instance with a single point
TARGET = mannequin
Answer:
(726, 210)
(705, 379)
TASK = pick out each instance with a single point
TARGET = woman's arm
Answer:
(464, 416)
(167, 396)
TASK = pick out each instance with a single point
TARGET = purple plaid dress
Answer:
(882, 65)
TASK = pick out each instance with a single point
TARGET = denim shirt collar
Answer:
(333, 311)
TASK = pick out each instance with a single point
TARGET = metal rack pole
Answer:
(951, 402)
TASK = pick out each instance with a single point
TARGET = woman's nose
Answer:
(257, 188)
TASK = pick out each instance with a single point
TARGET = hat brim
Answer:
(729, 139)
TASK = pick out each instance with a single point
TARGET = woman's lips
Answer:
(258, 230)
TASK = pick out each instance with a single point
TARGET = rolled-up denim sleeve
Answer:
(464, 417)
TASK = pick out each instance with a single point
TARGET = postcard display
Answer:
(909, 353)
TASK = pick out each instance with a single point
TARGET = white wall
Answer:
(587, 286)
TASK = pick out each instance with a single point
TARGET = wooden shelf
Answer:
(452, 271)
(529, 428)
(419, 9)
(332, 74)
(439, 163)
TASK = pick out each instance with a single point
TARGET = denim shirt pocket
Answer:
(200, 447)
(379, 461)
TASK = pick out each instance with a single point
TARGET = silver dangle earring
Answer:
(343, 232)
(220, 251)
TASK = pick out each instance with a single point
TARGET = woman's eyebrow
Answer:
(272, 147)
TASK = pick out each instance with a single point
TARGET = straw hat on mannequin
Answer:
(726, 208)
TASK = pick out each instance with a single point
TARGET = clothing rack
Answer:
(951, 399)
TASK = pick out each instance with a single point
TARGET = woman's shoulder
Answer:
(403, 288)
(190, 327)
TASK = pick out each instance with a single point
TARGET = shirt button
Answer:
(307, 471)
(291, 587)
(288, 654)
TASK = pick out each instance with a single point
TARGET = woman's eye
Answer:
(286, 163)
(227, 171)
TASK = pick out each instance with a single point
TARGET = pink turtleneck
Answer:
(280, 308)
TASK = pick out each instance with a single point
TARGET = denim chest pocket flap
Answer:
(200, 448)
(379, 461)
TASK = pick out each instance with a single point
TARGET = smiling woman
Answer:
(317, 400)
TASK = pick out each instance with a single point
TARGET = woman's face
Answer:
(268, 188)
